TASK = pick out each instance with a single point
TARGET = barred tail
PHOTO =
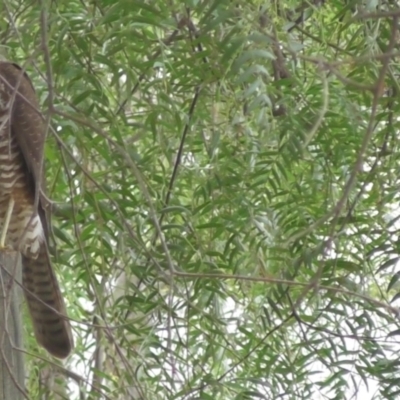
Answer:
(52, 329)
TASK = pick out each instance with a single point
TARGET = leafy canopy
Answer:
(226, 183)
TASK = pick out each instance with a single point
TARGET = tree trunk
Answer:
(12, 379)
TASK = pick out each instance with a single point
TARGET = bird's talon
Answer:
(6, 249)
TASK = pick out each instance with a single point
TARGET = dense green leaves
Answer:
(225, 177)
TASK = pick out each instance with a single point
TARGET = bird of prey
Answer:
(24, 221)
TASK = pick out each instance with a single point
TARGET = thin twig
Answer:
(335, 289)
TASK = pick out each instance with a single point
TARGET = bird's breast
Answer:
(25, 232)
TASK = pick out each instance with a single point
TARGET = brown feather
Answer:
(44, 298)
(46, 304)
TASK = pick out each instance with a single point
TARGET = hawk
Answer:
(24, 207)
